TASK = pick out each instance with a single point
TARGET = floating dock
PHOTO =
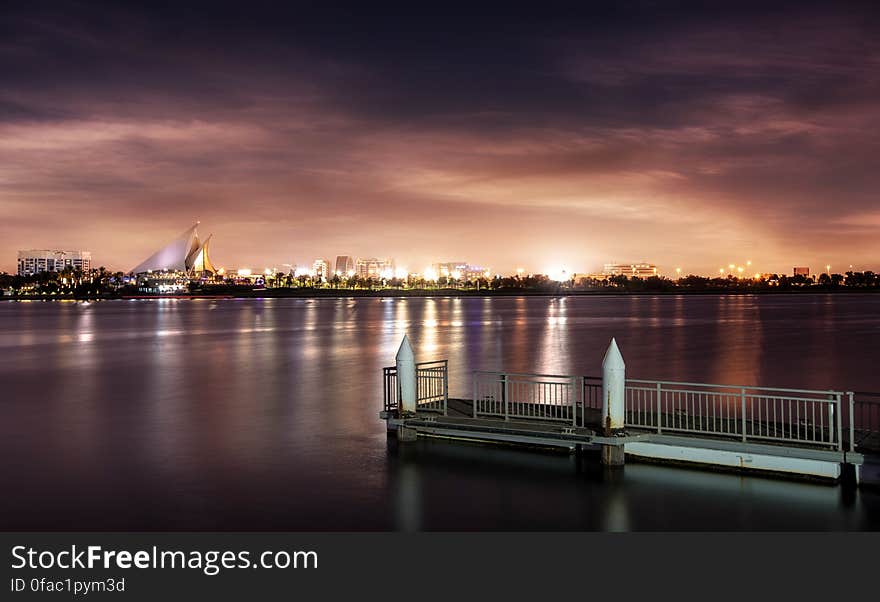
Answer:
(794, 432)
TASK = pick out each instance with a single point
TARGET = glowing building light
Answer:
(559, 274)
(429, 274)
(244, 272)
(401, 273)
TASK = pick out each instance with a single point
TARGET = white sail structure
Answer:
(201, 263)
(184, 254)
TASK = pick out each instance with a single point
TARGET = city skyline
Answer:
(683, 136)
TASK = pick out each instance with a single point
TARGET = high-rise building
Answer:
(802, 271)
(321, 269)
(48, 260)
(642, 270)
(344, 265)
(374, 268)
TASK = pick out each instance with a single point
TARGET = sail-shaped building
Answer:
(185, 254)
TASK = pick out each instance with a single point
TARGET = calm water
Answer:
(262, 414)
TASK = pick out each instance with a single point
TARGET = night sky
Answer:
(529, 137)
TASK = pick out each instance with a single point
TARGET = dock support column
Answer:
(406, 388)
(406, 377)
(613, 402)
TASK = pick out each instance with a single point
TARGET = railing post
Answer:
(852, 422)
(505, 394)
(445, 387)
(659, 408)
(743, 411)
(831, 420)
(475, 393)
(574, 398)
(839, 422)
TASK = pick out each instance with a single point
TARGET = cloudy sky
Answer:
(572, 136)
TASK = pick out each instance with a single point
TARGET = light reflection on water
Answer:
(262, 414)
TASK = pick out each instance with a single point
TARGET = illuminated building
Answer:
(47, 260)
(170, 269)
(458, 270)
(374, 268)
(448, 268)
(642, 270)
(802, 271)
(344, 265)
(321, 269)
(185, 255)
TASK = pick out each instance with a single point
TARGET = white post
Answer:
(613, 388)
(406, 376)
(613, 408)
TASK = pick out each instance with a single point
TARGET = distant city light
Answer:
(244, 272)
(429, 274)
(559, 274)
(401, 273)
(301, 271)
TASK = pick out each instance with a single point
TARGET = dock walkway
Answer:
(819, 433)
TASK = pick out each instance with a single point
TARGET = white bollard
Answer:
(406, 376)
(613, 388)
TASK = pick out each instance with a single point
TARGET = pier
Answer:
(797, 432)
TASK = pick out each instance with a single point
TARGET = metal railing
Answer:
(591, 387)
(759, 414)
(432, 387)
(863, 420)
(535, 396)
(799, 416)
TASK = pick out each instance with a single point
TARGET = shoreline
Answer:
(392, 293)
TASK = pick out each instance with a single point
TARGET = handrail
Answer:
(528, 374)
(737, 387)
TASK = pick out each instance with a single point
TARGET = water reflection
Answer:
(262, 414)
